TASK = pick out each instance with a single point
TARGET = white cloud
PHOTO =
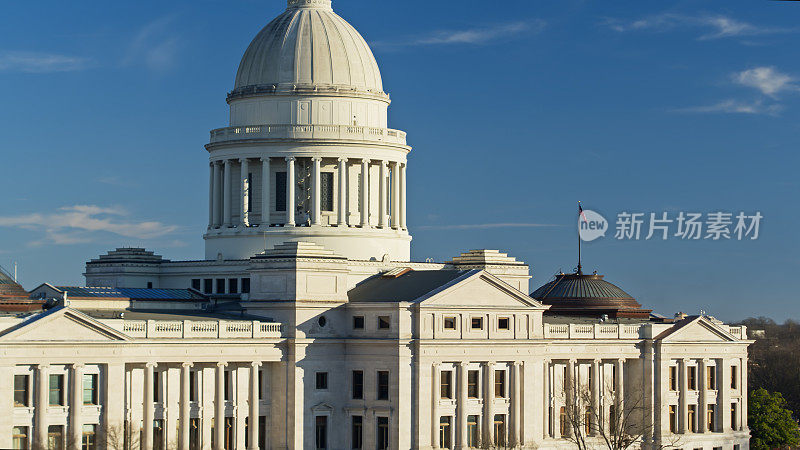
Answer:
(473, 36)
(485, 226)
(768, 80)
(81, 223)
(32, 62)
(154, 46)
(712, 26)
(735, 107)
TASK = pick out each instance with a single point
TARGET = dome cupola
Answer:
(578, 294)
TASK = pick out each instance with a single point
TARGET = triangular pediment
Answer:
(481, 289)
(697, 330)
(60, 325)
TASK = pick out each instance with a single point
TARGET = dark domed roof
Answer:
(9, 288)
(577, 293)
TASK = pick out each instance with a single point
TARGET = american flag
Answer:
(581, 214)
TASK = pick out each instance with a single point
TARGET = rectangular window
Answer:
(734, 416)
(321, 432)
(193, 386)
(500, 430)
(280, 191)
(227, 385)
(673, 378)
(90, 396)
(473, 431)
(562, 422)
(383, 433)
(449, 323)
(446, 388)
(384, 323)
(89, 438)
(383, 385)
(692, 378)
(322, 380)
(233, 286)
(711, 416)
(500, 383)
(477, 323)
(20, 437)
(358, 322)
(357, 433)
(473, 386)
(444, 432)
(613, 378)
(711, 378)
(326, 191)
(55, 437)
(587, 421)
(691, 420)
(245, 285)
(673, 418)
(220, 285)
(56, 390)
(261, 384)
(358, 384)
(196, 284)
(262, 431)
(612, 420)
(503, 323)
(208, 286)
(734, 384)
(194, 434)
(21, 390)
(156, 386)
(249, 192)
(230, 428)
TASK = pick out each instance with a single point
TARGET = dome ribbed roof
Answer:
(309, 46)
(9, 288)
(581, 294)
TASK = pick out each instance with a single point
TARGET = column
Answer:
(290, 191)
(395, 195)
(219, 408)
(516, 403)
(742, 419)
(316, 194)
(683, 388)
(217, 201)
(76, 407)
(436, 389)
(266, 184)
(403, 197)
(244, 211)
(226, 195)
(382, 196)
(595, 387)
(724, 395)
(42, 401)
(365, 194)
(619, 388)
(461, 406)
(114, 392)
(147, 406)
(186, 373)
(211, 195)
(343, 210)
(488, 403)
(702, 379)
(569, 388)
(252, 427)
(548, 399)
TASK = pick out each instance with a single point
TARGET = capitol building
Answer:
(308, 325)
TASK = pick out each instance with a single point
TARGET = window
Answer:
(20, 437)
(473, 386)
(196, 284)
(692, 378)
(158, 434)
(56, 390)
(444, 432)
(734, 385)
(156, 386)
(248, 191)
(673, 378)
(326, 191)
(710, 416)
(673, 418)
(262, 431)
(449, 323)
(503, 323)
(227, 384)
(500, 383)
(711, 378)
(446, 383)
(21, 390)
(383, 323)
(734, 416)
(90, 389)
(208, 285)
(321, 432)
(194, 434)
(220, 285)
(230, 426)
(357, 433)
(322, 380)
(358, 322)
(499, 430)
(358, 384)
(612, 419)
(562, 423)
(477, 323)
(473, 431)
(89, 438)
(280, 191)
(587, 421)
(245, 285)
(383, 385)
(193, 386)
(233, 286)
(149, 285)
(55, 437)
(383, 433)
(692, 418)
(614, 378)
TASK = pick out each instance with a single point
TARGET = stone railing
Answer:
(192, 329)
(591, 331)
(333, 132)
(738, 332)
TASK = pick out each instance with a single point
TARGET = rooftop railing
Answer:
(191, 329)
(591, 331)
(332, 132)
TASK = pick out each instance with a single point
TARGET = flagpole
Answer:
(580, 272)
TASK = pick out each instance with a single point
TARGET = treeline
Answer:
(775, 359)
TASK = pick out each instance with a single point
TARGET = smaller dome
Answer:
(579, 294)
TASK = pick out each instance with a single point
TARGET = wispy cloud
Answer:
(80, 224)
(486, 226)
(711, 26)
(470, 36)
(768, 80)
(33, 62)
(155, 46)
(731, 106)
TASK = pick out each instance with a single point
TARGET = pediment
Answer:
(480, 290)
(62, 324)
(698, 330)
(322, 408)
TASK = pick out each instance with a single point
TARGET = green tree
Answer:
(771, 423)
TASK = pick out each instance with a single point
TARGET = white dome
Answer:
(309, 46)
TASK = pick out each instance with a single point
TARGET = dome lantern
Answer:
(322, 4)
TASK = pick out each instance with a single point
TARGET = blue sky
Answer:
(515, 112)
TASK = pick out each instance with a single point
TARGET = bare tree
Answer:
(118, 437)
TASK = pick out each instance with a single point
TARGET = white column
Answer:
(595, 387)
(516, 402)
(742, 384)
(570, 388)
(403, 197)
(290, 191)
(265, 192)
(436, 391)
(683, 408)
(147, 406)
(343, 210)
(461, 406)
(365, 194)
(619, 397)
(382, 196)
(216, 203)
(211, 195)
(114, 405)
(226, 195)
(185, 428)
(548, 399)
(316, 194)
(244, 210)
(76, 407)
(702, 379)
(395, 195)
(219, 408)
(724, 395)
(488, 403)
(252, 423)
(42, 401)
